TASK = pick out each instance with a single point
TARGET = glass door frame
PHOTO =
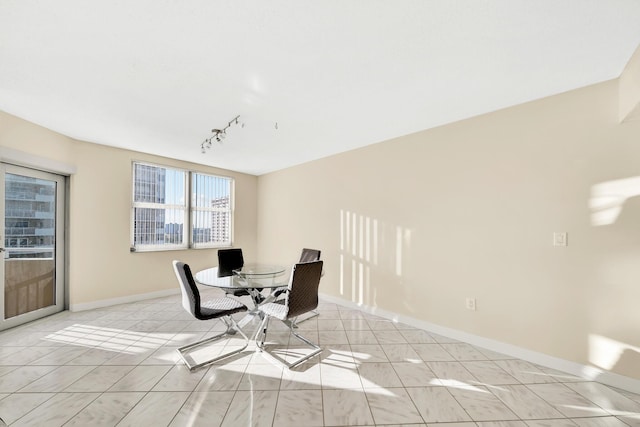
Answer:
(60, 246)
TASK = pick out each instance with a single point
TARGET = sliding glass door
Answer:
(32, 244)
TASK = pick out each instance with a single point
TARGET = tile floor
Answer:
(119, 366)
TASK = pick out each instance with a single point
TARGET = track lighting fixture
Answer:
(218, 135)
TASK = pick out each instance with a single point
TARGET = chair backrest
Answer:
(303, 288)
(309, 255)
(229, 260)
(190, 293)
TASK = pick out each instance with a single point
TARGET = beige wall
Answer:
(417, 224)
(100, 264)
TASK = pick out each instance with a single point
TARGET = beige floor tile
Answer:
(57, 410)
(392, 405)
(155, 408)
(346, 408)
(437, 405)
(251, 408)
(299, 408)
(204, 409)
(107, 410)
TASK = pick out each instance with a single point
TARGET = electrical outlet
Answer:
(471, 304)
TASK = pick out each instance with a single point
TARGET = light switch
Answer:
(560, 239)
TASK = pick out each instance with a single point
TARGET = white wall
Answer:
(416, 224)
(101, 267)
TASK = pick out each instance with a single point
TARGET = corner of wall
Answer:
(629, 89)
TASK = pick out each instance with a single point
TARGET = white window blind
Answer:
(159, 208)
(211, 210)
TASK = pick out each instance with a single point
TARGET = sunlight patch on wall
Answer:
(354, 220)
(608, 198)
(374, 234)
(399, 251)
(358, 249)
(342, 246)
(366, 246)
(341, 274)
(354, 277)
(605, 352)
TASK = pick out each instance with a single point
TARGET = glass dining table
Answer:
(251, 277)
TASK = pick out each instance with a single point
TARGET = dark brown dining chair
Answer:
(217, 308)
(309, 255)
(229, 260)
(301, 297)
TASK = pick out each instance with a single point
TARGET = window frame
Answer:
(189, 209)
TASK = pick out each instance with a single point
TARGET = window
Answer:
(164, 218)
(210, 211)
(159, 207)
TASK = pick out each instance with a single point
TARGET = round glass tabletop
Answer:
(259, 271)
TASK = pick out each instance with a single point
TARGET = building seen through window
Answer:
(30, 208)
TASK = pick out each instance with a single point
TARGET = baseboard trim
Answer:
(122, 300)
(583, 371)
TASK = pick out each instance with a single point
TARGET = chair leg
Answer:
(262, 334)
(232, 329)
(316, 350)
(314, 313)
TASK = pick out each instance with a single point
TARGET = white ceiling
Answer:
(157, 75)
